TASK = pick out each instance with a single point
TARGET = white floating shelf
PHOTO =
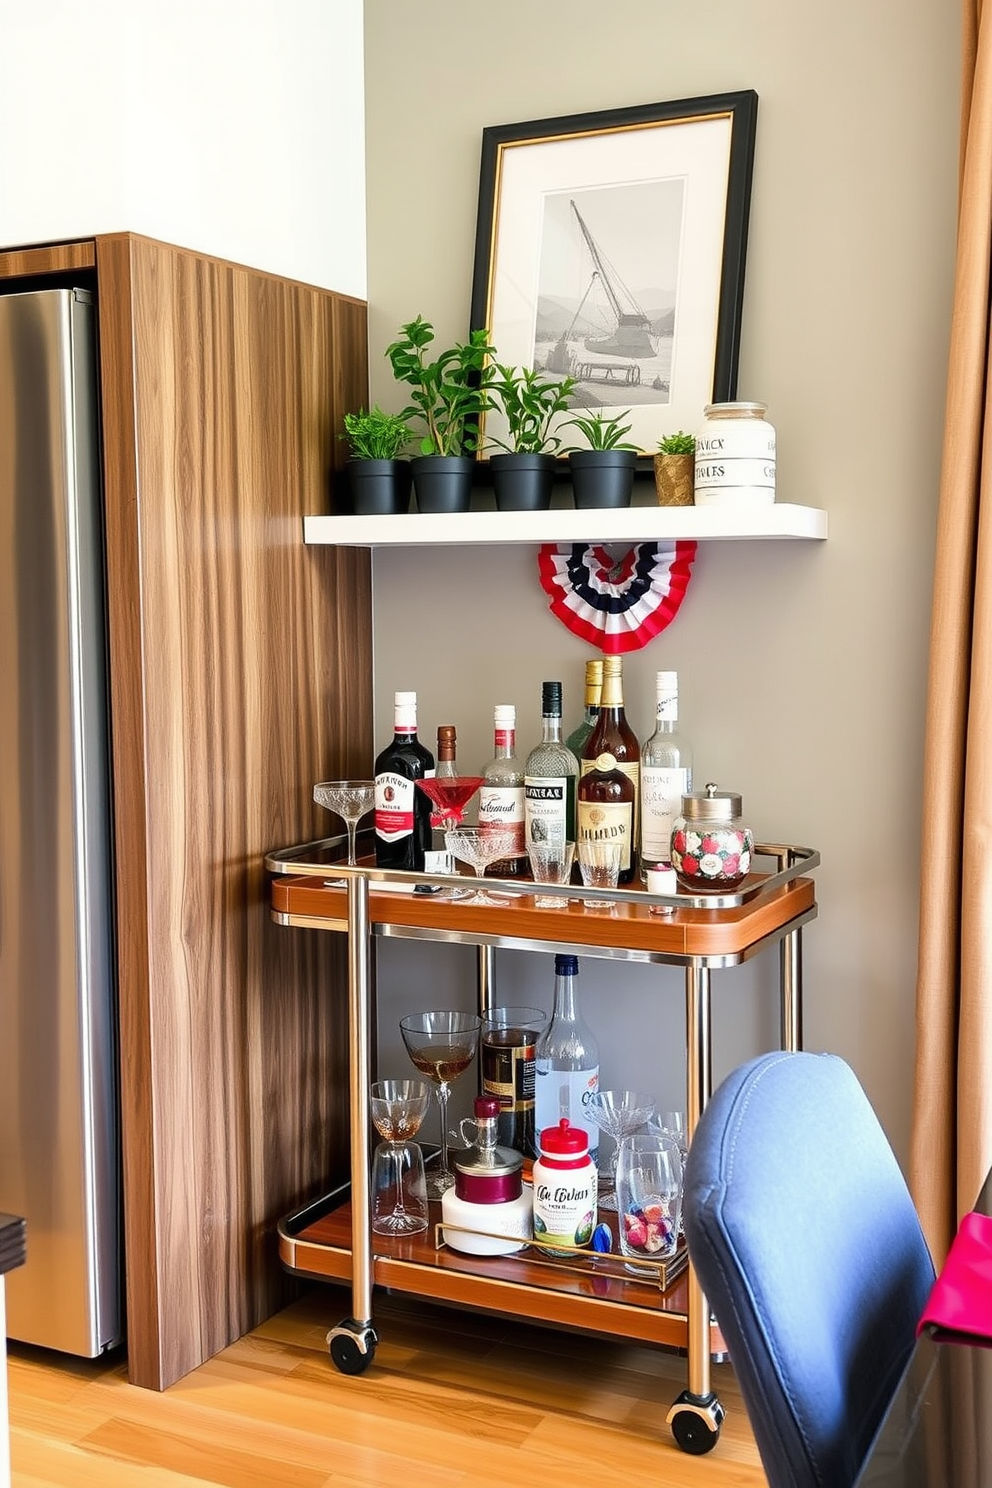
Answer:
(565, 524)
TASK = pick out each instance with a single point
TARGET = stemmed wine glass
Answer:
(398, 1109)
(442, 1044)
(478, 847)
(349, 799)
(618, 1113)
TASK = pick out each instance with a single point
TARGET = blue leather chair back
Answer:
(808, 1247)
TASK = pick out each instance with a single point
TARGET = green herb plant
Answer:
(449, 393)
(677, 444)
(376, 435)
(530, 401)
(603, 433)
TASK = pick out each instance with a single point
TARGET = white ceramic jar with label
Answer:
(735, 456)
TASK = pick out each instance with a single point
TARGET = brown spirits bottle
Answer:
(612, 733)
(605, 810)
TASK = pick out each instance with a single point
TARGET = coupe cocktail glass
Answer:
(449, 794)
(442, 1044)
(349, 799)
(398, 1111)
(618, 1113)
(478, 847)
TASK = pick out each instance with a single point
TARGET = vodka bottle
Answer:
(566, 1061)
(666, 776)
(501, 795)
(402, 813)
(550, 777)
(576, 740)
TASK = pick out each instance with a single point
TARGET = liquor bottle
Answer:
(507, 1050)
(606, 810)
(501, 795)
(566, 1061)
(447, 769)
(666, 776)
(402, 813)
(447, 747)
(613, 734)
(550, 775)
(576, 740)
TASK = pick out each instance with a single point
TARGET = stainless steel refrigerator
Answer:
(59, 1141)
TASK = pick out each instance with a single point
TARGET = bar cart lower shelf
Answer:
(591, 1293)
(332, 1239)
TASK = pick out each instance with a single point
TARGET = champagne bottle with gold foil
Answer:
(576, 740)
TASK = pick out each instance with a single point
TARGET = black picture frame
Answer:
(674, 180)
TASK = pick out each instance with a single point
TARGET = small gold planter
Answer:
(674, 476)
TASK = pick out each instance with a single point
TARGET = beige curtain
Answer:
(952, 1127)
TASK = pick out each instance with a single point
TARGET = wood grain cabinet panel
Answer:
(240, 666)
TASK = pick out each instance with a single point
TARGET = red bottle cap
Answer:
(564, 1140)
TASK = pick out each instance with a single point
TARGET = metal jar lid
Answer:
(735, 410)
(492, 1176)
(712, 805)
(497, 1162)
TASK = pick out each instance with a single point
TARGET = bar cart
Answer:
(332, 1238)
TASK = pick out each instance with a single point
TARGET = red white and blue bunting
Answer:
(616, 603)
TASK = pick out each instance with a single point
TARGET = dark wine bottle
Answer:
(612, 733)
(606, 810)
(402, 812)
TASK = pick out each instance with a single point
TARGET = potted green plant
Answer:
(603, 473)
(378, 478)
(523, 475)
(448, 397)
(674, 469)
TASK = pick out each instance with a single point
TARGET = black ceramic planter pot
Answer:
(443, 483)
(379, 488)
(522, 482)
(602, 477)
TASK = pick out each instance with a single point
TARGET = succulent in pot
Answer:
(603, 473)
(378, 478)
(523, 474)
(674, 469)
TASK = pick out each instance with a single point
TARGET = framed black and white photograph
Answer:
(610, 248)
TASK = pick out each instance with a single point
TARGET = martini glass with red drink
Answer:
(449, 795)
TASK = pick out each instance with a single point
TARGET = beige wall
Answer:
(802, 665)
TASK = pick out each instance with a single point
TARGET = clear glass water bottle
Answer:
(566, 1061)
(666, 776)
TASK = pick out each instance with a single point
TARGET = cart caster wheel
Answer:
(695, 1421)
(352, 1346)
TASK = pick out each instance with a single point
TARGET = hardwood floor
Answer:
(453, 1400)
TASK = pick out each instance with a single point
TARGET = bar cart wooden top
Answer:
(715, 929)
(311, 890)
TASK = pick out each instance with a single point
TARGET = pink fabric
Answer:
(960, 1302)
